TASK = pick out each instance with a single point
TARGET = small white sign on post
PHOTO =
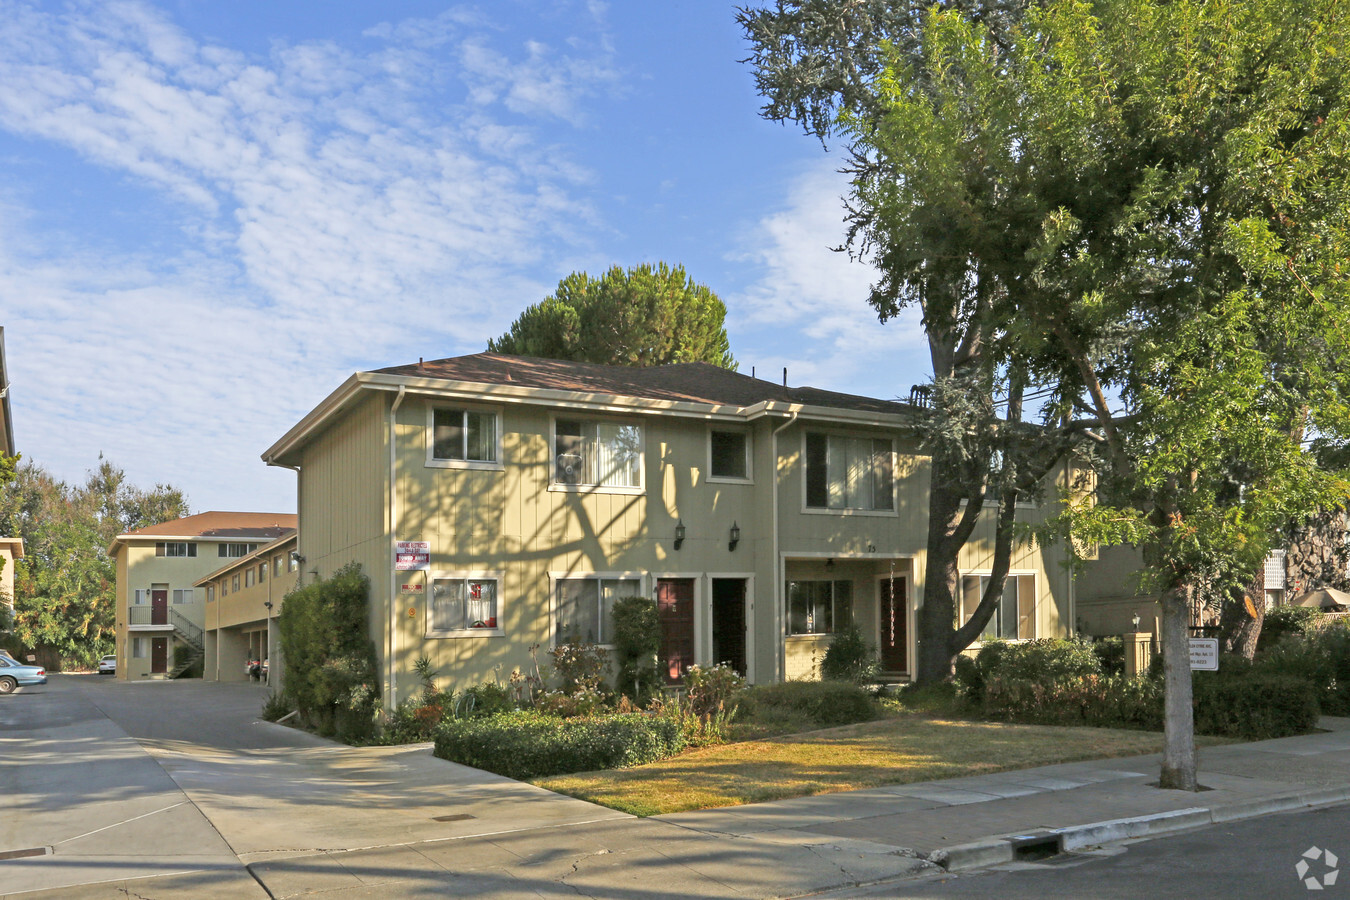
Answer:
(1204, 654)
(412, 556)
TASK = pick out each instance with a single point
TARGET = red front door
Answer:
(894, 642)
(159, 656)
(159, 607)
(675, 608)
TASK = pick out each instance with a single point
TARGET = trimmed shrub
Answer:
(822, 704)
(487, 699)
(1283, 621)
(1321, 656)
(637, 642)
(1040, 661)
(850, 658)
(330, 659)
(527, 744)
(1254, 706)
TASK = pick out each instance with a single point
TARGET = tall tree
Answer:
(645, 316)
(829, 65)
(64, 586)
(1150, 200)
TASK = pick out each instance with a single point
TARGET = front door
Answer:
(894, 641)
(159, 656)
(675, 609)
(159, 607)
(728, 622)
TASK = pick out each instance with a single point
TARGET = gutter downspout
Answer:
(778, 569)
(391, 646)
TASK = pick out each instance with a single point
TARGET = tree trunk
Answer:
(938, 613)
(1178, 764)
(1238, 628)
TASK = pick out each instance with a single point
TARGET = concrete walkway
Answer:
(174, 790)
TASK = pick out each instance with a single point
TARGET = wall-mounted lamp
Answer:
(829, 564)
(734, 537)
(1135, 620)
(679, 533)
(295, 555)
(268, 604)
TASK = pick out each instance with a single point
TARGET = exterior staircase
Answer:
(190, 636)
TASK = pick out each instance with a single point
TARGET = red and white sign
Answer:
(411, 589)
(412, 556)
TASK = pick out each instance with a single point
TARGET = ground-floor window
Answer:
(819, 607)
(463, 604)
(1015, 617)
(140, 648)
(584, 607)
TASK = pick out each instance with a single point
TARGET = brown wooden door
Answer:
(728, 622)
(675, 608)
(159, 607)
(159, 655)
(894, 639)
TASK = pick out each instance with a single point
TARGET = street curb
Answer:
(996, 851)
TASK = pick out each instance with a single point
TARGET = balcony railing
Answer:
(147, 615)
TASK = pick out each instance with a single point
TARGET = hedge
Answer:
(1252, 706)
(527, 744)
(825, 703)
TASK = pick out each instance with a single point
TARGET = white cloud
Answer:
(334, 216)
(806, 289)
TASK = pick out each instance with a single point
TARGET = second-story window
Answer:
(849, 473)
(175, 548)
(463, 435)
(600, 454)
(729, 455)
(229, 551)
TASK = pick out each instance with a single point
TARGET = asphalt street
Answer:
(1258, 858)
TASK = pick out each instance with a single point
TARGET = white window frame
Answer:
(210, 593)
(430, 436)
(250, 577)
(964, 616)
(745, 433)
(497, 576)
(180, 596)
(645, 581)
(892, 513)
(140, 648)
(140, 597)
(188, 549)
(586, 417)
(223, 549)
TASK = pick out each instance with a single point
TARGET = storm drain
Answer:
(457, 817)
(20, 854)
(1031, 847)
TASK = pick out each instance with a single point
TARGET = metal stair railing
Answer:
(191, 634)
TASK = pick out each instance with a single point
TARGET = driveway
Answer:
(111, 781)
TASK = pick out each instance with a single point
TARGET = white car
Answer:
(108, 665)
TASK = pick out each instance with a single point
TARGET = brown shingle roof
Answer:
(689, 382)
(223, 526)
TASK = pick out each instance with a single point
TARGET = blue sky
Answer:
(212, 213)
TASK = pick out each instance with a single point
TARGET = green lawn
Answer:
(902, 748)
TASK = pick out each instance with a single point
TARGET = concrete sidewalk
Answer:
(261, 810)
(837, 841)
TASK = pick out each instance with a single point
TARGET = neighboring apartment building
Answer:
(498, 503)
(158, 605)
(242, 601)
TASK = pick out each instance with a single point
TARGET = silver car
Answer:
(13, 674)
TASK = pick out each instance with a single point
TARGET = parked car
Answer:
(13, 674)
(108, 665)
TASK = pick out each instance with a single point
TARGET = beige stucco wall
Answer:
(507, 521)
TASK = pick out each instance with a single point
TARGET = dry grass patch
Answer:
(897, 750)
